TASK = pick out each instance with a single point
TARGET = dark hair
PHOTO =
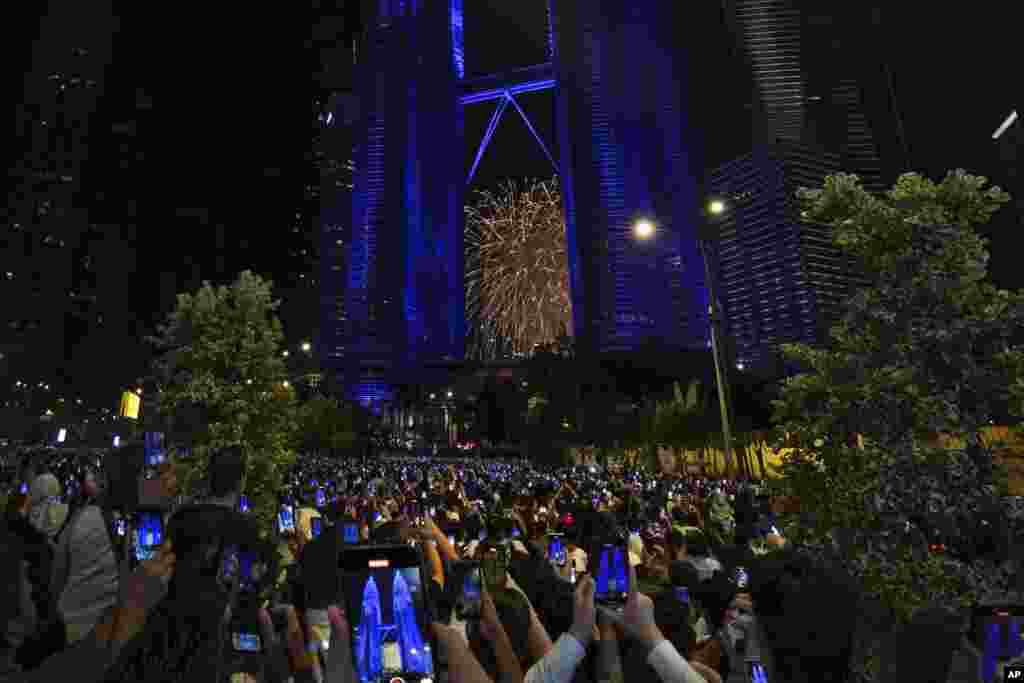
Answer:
(673, 618)
(788, 589)
(684, 574)
(227, 468)
(697, 544)
(122, 469)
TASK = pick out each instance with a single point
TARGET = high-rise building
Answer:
(49, 255)
(629, 154)
(780, 279)
(823, 103)
(822, 77)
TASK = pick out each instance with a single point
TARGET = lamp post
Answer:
(707, 233)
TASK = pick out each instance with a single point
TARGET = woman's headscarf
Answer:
(46, 512)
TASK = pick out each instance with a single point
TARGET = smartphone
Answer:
(286, 519)
(119, 527)
(612, 575)
(996, 632)
(515, 532)
(246, 642)
(388, 614)
(23, 490)
(242, 566)
(243, 503)
(556, 550)
(451, 540)
(321, 498)
(741, 577)
(149, 534)
(468, 602)
(682, 594)
(350, 533)
(757, 672)
(314, 526)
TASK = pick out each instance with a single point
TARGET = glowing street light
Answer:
(716, 207)
(284, 353)
(306, 346)
(285, 384)
(450, 394)
(433, 396)
(643, 229)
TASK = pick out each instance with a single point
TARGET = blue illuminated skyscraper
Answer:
(405, 281)
(628, 154)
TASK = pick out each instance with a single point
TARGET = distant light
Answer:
(248, 381)
(61, 435)
(117, 441)
(306, 346)
(716, 206)
(643, 229)
(1006, 124)
(450, 394)
(740, 366)
(284, 353)
(433, 396)
(285, 384)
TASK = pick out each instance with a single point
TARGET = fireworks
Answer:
(517, 276)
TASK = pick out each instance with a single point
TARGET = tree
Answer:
(221, 379)
(923, 349)
(324, 424)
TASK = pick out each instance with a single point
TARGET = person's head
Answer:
(227, 472)
(799, 640)
(673, 619)
(685, 575)
(46, 511)
(697, 544)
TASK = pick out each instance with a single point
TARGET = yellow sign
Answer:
(130, 403)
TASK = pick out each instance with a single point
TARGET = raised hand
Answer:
(638, 615)
(584, 612)
(297, 658)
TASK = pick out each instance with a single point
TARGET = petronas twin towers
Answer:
(624, 154)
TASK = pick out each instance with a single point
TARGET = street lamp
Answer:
(306, 346)
(450, 394)
(643, 229)
(284, 354)
(707, 234)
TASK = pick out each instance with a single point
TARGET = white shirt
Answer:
(671, 666)
(559, 664)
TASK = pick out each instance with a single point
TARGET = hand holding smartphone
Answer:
(149, 534)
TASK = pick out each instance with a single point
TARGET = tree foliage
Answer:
(326, 424)
(222, 383)
(924, 349)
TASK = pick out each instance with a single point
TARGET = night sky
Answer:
(227, 133)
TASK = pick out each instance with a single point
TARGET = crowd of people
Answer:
(579, 573)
